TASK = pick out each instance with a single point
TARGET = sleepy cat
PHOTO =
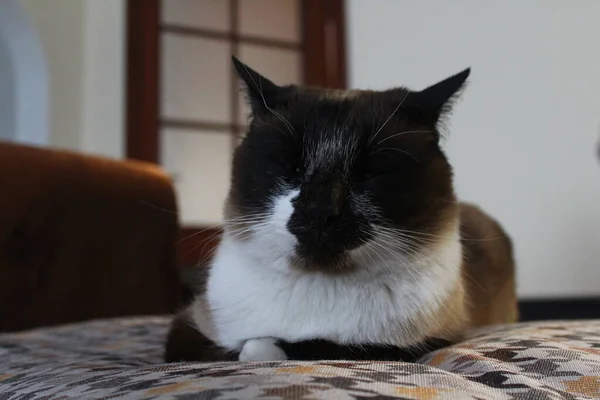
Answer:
(343, 234)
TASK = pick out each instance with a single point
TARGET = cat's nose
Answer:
(322, 214)
(322, 202)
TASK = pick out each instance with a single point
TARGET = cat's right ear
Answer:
(261, 93)
(436, 101)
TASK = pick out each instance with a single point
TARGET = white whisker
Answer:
(388, 119)
(400, 151)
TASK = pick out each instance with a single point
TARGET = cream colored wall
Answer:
(84, 44)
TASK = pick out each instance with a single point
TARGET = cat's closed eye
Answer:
(376, 168)
(367, 179)
(370, 173)
(281, 163)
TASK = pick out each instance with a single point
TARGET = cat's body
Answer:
(345, 247)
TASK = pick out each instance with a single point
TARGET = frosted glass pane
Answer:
(279, 65)
(200, 165)
(207, 14)
(272, 19)
(196, 79)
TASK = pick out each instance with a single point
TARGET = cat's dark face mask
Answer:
(364, 168)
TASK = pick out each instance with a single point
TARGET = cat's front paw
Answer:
(263, 349)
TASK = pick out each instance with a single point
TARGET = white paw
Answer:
(264, 349)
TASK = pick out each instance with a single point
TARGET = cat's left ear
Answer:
(437, 100)
(262, 94)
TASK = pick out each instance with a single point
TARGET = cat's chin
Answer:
(319, 263)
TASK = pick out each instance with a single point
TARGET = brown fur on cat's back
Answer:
(488, 267)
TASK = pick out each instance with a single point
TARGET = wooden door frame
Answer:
(323, 27)
(143, 80)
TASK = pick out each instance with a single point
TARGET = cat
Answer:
(343, 235)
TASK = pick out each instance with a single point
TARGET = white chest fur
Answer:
(252, 300)
(253, 292)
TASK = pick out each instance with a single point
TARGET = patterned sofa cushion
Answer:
(122, 358)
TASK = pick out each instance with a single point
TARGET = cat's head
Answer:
(324, 174)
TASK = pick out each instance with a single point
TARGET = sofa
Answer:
(89, 279)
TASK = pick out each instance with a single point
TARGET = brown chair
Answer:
(83, 237)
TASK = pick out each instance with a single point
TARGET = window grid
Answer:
(235, 38)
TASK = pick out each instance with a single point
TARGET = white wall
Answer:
(84, 44)
(104, 78)
(23, 78)
(523, 138)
